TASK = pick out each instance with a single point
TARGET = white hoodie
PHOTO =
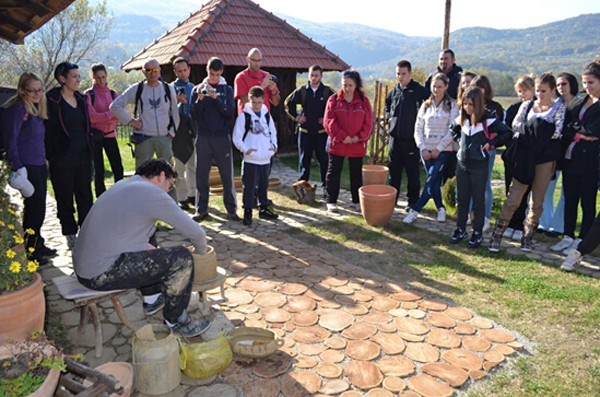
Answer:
(262, 136)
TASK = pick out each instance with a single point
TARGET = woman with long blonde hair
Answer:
(23, 133)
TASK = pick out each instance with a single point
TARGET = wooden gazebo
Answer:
(229, 29)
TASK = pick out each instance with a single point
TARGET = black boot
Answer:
(247, 217)
(267, 213)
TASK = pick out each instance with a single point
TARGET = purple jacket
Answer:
(24, 146)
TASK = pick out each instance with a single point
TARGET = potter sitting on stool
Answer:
(112, 250)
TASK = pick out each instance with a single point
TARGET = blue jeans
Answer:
(489, 195)
(435, 171)
(553, 218)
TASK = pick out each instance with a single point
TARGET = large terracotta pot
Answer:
(48, 388)
(214, 178)
(374, 174)
(377, 203)
(22, 311)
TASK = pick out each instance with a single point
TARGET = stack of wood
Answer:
(72, 382)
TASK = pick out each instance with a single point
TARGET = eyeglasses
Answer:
(155, 70)
(256, 60)
(41, 91)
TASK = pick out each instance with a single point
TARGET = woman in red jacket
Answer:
(348, 121)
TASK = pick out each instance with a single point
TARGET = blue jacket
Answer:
(213, 116)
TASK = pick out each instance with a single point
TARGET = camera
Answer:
(274, 78)
(207, 89)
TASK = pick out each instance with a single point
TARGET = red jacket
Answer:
(343, 119)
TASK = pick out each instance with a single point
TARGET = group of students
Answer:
(553, 128)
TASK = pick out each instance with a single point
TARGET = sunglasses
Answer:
(155, 70)
(34, 91)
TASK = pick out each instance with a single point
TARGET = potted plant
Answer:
(22, 302)
(30, 368)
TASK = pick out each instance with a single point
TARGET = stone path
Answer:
(346, 331)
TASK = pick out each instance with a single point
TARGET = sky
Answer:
(426, 17)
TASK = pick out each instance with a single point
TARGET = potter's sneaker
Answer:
(151, 308)
(187, 327)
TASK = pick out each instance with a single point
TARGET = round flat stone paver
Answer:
(493, 356)
(410, 337)
(416, 313)
(384, 303)
(476, 343)
(334, 386)
(336, 321)
(270, 299)
(504, 349)
(312, 334)
(275, 315)
(379, 392)
(394, 384)
(387, 328)
(390, 344)
(432, 304)
(255, 284)
(329, 370)
(363, 374)
(454, 376)
(407, 296)
(443, 338)
(352, 393)
(305, 362)
(359, 331)
(238, 296)
(335, 281)
(422, 352)
(411, 325)
(459, 313)
(357, 309)
(396, 366)
(336, 342)
(305, 319)
(332, 356)
(399, 312)
(300, 303)
(319, 295)
(311, 349)
(262, 388)
(477, 374)
(463, 328)
(272, 366)
(440, 320)
(362, 350)
(293, 289)
(427, 386)
(299, 383)
(463, 359)
(481, 323)
(376, 317)
(497, 335)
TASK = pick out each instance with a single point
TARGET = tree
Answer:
(70, 36)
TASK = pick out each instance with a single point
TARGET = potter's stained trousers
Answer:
(172, 269)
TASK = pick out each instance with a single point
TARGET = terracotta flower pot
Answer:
(214, 178)
(377, 203)
(374, 174)
(48, 388)
(22, 311)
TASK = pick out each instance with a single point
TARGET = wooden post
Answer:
(446, 38)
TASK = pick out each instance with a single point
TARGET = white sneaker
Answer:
(508, 233)
(564, 244)
(572, 261)
(573, 246)
(517, 235)
(332, 208)
(469, 219)
(411, 217)
(441, 215)
(354, 207)
(486, 225)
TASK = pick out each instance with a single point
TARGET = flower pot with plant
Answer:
(30, 368)
(22, 303)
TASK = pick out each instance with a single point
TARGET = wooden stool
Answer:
(85, 299)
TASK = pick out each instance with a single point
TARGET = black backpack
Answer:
(249, 123)
(113, 94)
(140, 104)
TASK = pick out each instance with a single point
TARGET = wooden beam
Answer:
(32, 6)
(11, 36)
(7, 19)
(446, 38)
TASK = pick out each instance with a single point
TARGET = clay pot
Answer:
(377, 203)
(214, 178)
(374, 174)
(22, 311)
(205, 266)
(123, 373)
(217, 189)
(274, 183)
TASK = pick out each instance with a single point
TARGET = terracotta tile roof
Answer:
(228, 29)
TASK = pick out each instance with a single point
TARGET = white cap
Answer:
(18, 180)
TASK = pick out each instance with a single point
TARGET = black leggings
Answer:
(334, 174)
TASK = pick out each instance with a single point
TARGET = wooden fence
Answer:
(378, 143)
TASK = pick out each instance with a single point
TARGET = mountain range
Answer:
(565, 45)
